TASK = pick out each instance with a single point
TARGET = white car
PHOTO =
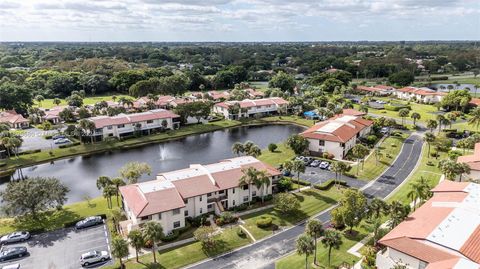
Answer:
(62, 141)
(93, 257)
(324, 165)
(15, 237)
(12, 266)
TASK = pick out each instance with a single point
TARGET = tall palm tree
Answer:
(432, 125)
(452, 117)
(360, 152)
(136, 240)
(331, 240)
(314, 229)
(119, 249)
(295, 166)
(398, 212)
(376, 207)
(117, 182)
(249, 177)
(87, 126)
(305, 246)
(116, 214)
(429, 138)
(153, 231)
(237, 148)
(475, 117)
(262, 181)
(108, 192)
(440, 120)
(403, 113)
(415, 116)
(103, 181)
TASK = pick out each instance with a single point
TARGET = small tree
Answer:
(272, 147)
(297, 143)
(206, 235)
(295, 166)
(305, 246)
(237, 148)
(314, 229)
(286, 203)
(153, 231)
(116, 214)
(119, 249)
(415, 116)
(331, 240)
(136, 241)
(132, 171)
(352, 207)
(429, 138)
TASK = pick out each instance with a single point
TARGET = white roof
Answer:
(155, 185)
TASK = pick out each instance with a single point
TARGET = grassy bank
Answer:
(48, 103)
(390, 148)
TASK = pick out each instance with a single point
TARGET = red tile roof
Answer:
(472, 160)
(471, 248)
(353, 112)
(11, 116)
(417, 249)
(253, 103)
(103, 121)
(340, 128)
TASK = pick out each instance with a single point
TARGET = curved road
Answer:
(264, 253)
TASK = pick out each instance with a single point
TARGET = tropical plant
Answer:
(136, 240)
(429, 138)
(360, 152)
(238, 148)
(120, 249)
(152, 231)
(403, 113)
(331, 240)
(314, 229)
(475, 117)
(415, 116)
(249, 176)
(262, 181)
(295, 166)
(297, 143)
(432, 125)
(132, 171)
(305, 246)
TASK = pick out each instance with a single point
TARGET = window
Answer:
(208, 206)
(109, 127)
(254, 193)
(159, 215)
(233, 202)
(176, 224)
(120, 125)
(245, 198)
(185, 201)
(201, 210)
(221, 192)
(200, 199)
(186, 213)
(149, 121)
(233, 190)
(245, 187)
(321, 142)
(146, 218)
(176, 211)
(209, 194)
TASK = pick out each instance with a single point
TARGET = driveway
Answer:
(264, 253)
(317, 176)
(61, 249)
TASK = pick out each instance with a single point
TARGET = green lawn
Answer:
(259, 85)
(56, 219)
(311, 202)
(188, 254)
(338, 257)
(390, 148)
(279, 156)
(48, 103)
(430, 172)
(289, 119)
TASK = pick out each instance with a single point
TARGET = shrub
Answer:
(30, 151)
(328, 155)
(430, 163)
(434, 154)
(329, 183)
(272, 147)
(47, 136)
(226, 218)
(241, 233)
(239, 208)
(371, 139)
(264, 222)
(198, 220)
(284, 184)
(172, 236)
(69, 145)
(302, 182)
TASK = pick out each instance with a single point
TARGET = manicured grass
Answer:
(311, 202)
(56, 219)
(279, 156)
(338, 257)
(390, 148)
(47, 155)
(48, 103)
(259, 85)
(289, 119)
(188, 254)
(430, 172)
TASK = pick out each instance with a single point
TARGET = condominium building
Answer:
(250, 108)
(191, 192)
(423, 95)
(337, 135)
(13, 119)
(127, 124)
(444, 233)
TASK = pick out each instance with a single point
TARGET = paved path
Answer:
(264, 253)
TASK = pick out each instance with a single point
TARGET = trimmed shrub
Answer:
(396, 107)
(239, 208)
(172, 236)
(241, 233)
(272, 147)
(30, 151)
(329, 183)
(264, 222)
(47, 137)
(284, 184)
(226, 218)
(328, 155)
(198, 220)
(69, 145)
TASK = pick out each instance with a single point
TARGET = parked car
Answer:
(287, 173)
(324, 165)
(12, 266)
(385, 130)
(62, 141)
(307, 160)
(12, 253)
(93, 257)
(89, 222)
(15, 237)
(315, 163)
(56, 137)
(299, 158)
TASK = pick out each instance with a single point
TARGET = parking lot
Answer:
(317, 176)
(61, 249)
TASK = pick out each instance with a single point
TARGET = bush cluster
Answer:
(264, 222)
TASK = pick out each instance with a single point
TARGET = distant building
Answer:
(379, 90)
(444, 233)
(473, 161)
(422, 95)
(127, 124)
(53, 114)
(250, 108)
(336, 135)
(161, 102)
(13, 119)
(191, 192)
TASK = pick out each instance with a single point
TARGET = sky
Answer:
(238, 20)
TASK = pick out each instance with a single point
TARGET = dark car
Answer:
(89, 222)
(12, 253)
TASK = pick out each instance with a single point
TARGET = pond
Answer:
(80, 173)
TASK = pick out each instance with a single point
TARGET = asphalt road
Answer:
(61, 249)
(264, 253)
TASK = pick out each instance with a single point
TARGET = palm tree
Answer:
(254, 151)
(440, 119)
(108, 192)
(295, 166)
(403, 113)
(103, 181)
(429, 138)
(432, 125)
(376, 207)
(117, 182)
(363, 108)
(116, 214)
(305, 246)
(415, 116)
(57, 101)
(262, 181)
(475, 117)
(237, 148)
(452, 117)
(119, 249)
(87, 126)
(136, 240)
(331, 240)
(153, 231)
(398, 212)
(378, 154)
(249, 177)
(314, 229)
(360, 152)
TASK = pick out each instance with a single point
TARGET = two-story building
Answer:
(127, 124)
(191, 192)
(250, 108)
(444, 233)
(13, 119)
(422, 95)
(336, 135)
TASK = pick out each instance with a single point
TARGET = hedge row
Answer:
(329, 183)
(29, 151)
(69, 145)
(264, 222)
(395, 108)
